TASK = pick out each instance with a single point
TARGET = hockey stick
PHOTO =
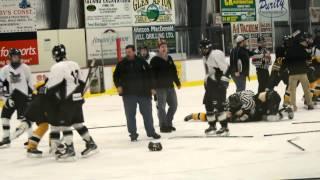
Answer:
(294, 144)
(199, 137)
(288, 133)
(107, 127)
(91, 71)
(307, 122)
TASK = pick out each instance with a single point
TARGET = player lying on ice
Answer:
(245, 106)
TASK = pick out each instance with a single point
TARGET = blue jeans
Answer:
(145, 106)
(240, 82)
(166, 96)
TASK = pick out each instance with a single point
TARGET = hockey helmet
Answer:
(234, 101)
(155, 146)
(59, 52)
(15, 57)
(205, 47)
(273, 100)
(14, 52)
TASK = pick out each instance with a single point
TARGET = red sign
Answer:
(28, 48)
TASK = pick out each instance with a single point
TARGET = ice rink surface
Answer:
(255, 158)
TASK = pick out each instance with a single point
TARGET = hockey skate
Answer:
(5, 143)
(34, 153)
(287, 109)
(211, 130)
(66, 154)
(188, 118)
(223, 132)
(91, 148)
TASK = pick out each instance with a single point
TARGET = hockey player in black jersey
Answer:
(216, 83)
(65, 86)
(279, 71)
(16, 85)
(316, 67)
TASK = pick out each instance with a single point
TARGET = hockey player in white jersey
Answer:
(16, 85)
(65, 86)
(216, 83)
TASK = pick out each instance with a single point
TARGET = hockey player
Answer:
(17, 86)
(262, 60)
(279, 71)
(216, 83)
(65, 86)
(316, 66)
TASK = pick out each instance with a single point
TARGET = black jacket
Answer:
(164, 72)
(242, 54)
(134, 76)
(296, 60)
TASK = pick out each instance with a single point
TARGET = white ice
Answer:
(233, 158)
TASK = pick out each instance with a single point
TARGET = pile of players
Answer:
(56, 102)
(246, 106)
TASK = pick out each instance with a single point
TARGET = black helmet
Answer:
(15, 63)
(299, 36)
(261, 39)
(205, 44)
(59, 52)
(14, 51)
(234, 101)
(287, 40)
(273, 100)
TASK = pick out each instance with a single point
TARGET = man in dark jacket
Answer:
(239, 63)
(134, 83)
(296, 62)
(165, 74)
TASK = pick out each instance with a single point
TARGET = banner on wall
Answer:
(149, 35)
(106, 13)
(28, 47)
(102, 45)
(17, 16)
(153, 12)
(275, 10)
(238, 10)
(315, 14)
(253, 30)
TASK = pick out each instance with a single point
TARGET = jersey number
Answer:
(75, 75)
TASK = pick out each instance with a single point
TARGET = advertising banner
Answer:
(315, 14)
(275, 10)
(238, 10)
(108, 13)
(28, 48)
(153, 12)
(101, 44)
(253, 30)
(149, 35)
(17, 16)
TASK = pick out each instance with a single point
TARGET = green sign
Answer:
(149, 36)
(238, 10)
